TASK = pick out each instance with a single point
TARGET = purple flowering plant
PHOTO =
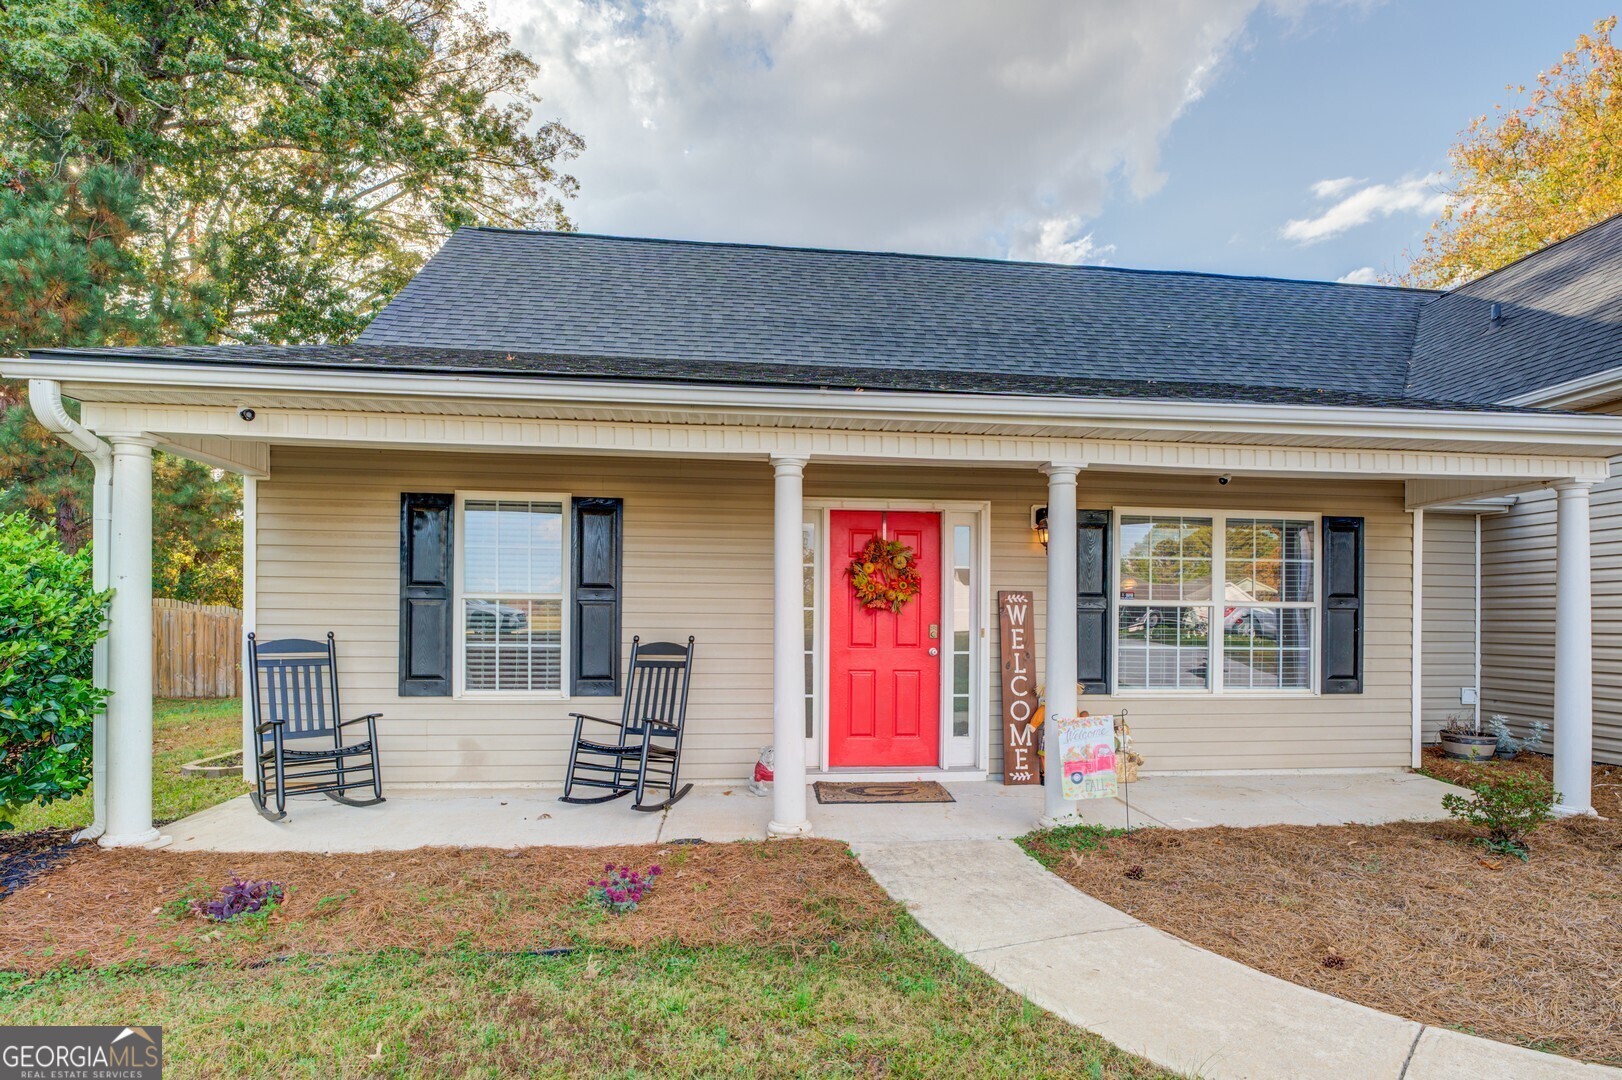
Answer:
(620, 888)
(241, 897)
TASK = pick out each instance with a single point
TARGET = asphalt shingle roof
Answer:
(825, 376)
(567, 305)
(705, 303)
(1562, 319)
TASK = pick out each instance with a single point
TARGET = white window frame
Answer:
(458, 594)
(1216, 645)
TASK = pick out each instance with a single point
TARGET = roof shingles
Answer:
(566, 305)
(570, 293)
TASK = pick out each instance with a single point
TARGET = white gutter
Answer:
(1575, 393)
(1035, 410)
(45, 398)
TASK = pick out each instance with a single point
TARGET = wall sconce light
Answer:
(1039, 523)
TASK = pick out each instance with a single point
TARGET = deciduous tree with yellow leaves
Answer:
(1528, 175)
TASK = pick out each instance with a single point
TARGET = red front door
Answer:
(884, 673)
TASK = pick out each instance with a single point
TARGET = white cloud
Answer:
(1329, 189)
(1057, 240)
(1418, 195)
(1363, 275)
(928, 125)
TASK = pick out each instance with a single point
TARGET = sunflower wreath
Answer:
(885, 575)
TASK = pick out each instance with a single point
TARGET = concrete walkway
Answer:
(1160, 997)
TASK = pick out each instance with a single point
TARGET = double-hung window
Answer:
(1216, 602)
(511, 558)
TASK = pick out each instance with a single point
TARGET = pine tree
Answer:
(68, 274)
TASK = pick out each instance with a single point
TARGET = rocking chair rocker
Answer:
(647, 752)
(295, 699)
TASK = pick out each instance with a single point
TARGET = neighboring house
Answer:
(1545, 331)
(550, 442)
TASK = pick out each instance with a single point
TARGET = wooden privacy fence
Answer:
(196, 650)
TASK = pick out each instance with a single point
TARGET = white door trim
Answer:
(980, 662)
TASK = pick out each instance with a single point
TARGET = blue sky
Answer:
(1377, 93)
(1297, 138)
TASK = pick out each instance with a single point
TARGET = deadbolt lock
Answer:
(934, 631)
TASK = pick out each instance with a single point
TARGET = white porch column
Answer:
(129, 639)
(1573, 653)
(1416, 668)
(1060, 666)
(788, 652)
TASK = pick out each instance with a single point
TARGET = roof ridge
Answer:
(926, 257)
(1534, 253)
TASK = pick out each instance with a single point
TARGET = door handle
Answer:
(934, 651)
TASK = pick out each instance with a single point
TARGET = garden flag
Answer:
(1086, 746)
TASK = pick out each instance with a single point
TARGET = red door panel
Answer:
(884, 686)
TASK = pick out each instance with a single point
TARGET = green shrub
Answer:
(1509, 807)
(50, 619)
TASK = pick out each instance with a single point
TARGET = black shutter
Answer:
(597, 573)
(427, 637)
(1343, 605)
(1093, 631)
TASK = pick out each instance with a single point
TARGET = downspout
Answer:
(45, 398)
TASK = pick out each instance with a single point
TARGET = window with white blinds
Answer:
(1216, 602)
(511, 558)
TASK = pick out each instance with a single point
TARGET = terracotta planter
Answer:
(1469, 747)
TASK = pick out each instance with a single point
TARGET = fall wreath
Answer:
(885, 574)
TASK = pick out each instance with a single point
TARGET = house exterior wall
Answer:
(1517, 621)
(697, 557)
(1449, 614)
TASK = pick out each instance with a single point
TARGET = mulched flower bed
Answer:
(129, 906)
(1410, 918)
(24, 856)
(1607, 778)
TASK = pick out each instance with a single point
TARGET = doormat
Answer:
(906, 791)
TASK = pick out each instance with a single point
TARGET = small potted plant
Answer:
(1463, 739)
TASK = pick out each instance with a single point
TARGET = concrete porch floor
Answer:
(526, 817)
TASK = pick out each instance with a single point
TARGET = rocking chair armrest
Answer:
(597, 719)
(368, 718)
(660, 723)
(268, 725)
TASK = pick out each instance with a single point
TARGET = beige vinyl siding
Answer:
(698, 561)
(1449, 617)
(1517, 620)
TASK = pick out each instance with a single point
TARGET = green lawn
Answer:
(903, 1005)
(859, 990)
(182, 730)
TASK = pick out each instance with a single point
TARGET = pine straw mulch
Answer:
(24, 856)
(129, 906)
(1607, 778)
(1411, 918)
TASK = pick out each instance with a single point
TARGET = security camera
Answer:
(1224, 479)
(248, 414)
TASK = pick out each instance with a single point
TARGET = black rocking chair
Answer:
(647, 751)
(295, 699)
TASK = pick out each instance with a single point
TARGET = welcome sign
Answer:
(1016, 636)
